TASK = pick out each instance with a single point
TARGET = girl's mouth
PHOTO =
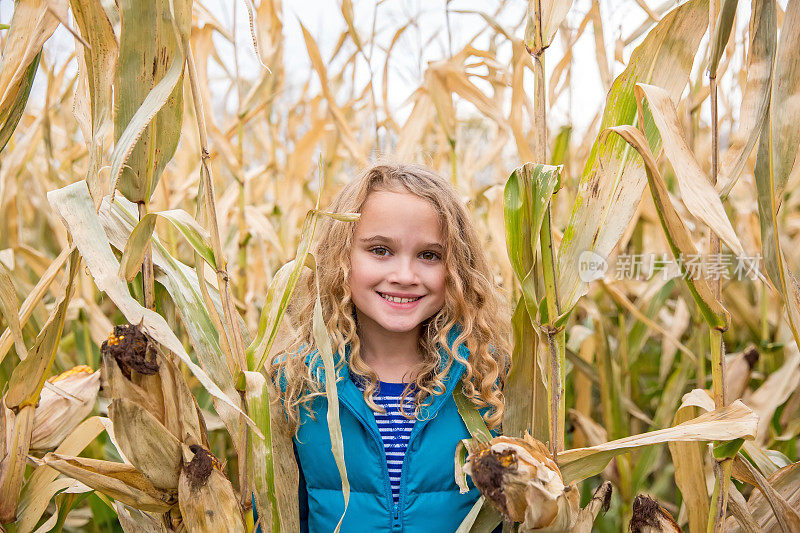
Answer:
(398, 300)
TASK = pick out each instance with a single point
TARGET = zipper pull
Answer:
(396, 512)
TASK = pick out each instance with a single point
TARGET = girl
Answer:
(412, 312)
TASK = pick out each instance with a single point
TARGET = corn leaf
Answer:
(38, 489)
(722, 33)
(727, 423)
(24, 387)
(675, 230)
(482, 518)
(148, 93)
(11, 117)
(192, 231)
(697, 193)
(271, 464)
(73, 204)
(775, 158)
(34, 297)
(785, 483)
(118, 220)
(119, 481)
(543, 19)
(99, 61)
(31, 25)
(8, 310)
(755, 100)
(525, 200)
(613, 180)
(322, 342)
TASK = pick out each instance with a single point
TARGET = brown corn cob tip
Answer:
(488, 473)
(199, 468)
(132, 349)
(502, 468)
(648, 515)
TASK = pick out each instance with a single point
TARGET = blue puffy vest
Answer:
(430, 500)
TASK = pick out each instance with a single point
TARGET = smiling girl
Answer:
(411, 309)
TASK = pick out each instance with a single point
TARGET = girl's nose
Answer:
(403, 272)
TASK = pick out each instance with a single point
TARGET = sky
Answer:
(426, 40)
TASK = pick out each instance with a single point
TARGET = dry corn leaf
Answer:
(74, 206)
(31, 25)
(99, 61)
(697, 193)
(35, 494)
(690, 475)
(679, 238)
(8, 310)
(755, 100)
(348, 139)
(785, 482)
(543, 20)
(147, 444)
(728, 423)
(612, 182)
(119, 481)
(34, 296)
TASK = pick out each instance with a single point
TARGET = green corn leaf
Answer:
(192, 231)
(613, 180)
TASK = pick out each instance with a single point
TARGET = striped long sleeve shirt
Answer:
(394, 428)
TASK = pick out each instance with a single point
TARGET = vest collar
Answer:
(350, 395)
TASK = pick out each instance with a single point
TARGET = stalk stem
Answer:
(723, 468)
(233, 331)
(231, 322)
(148, 285)
(556, 337)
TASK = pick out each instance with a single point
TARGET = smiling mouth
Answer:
(397, 300)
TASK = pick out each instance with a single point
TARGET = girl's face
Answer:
(397, 272)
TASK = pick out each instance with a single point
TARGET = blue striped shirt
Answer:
(394, 428)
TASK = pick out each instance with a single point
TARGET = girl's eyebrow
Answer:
(393, 242)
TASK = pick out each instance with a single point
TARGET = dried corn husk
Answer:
(153, 450)
(63, 404)
(521, 480)
(119, 481)
(206, 497)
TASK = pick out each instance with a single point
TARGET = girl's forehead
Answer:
(397, 202)
(399, 212)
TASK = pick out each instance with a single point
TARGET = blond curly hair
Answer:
(471, 304)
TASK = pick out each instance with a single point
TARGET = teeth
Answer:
(398, 300)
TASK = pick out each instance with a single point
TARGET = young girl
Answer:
(409, 303)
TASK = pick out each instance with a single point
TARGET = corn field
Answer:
(151, 238)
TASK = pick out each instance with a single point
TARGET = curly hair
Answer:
(471, 304)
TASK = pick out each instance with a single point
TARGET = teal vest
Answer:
(429, 498)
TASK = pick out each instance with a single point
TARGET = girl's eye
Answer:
(430, 256)
(380, 251)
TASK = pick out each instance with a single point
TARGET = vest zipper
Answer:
(418, 425)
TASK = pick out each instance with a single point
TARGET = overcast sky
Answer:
(424, 41)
